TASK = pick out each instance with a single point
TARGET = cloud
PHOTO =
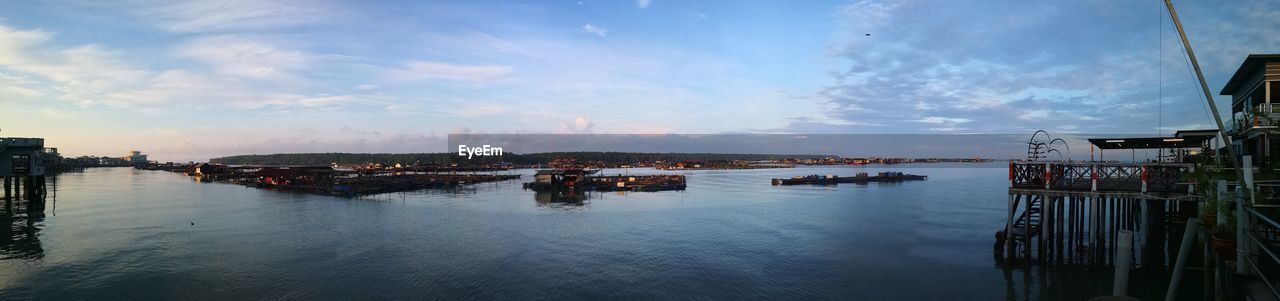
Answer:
(309, 140)
(58, 114)
(643, 3)
(580, 125)
(1034, 115)
(81, 74)
(18, 88)
(1025, 66)
(473, 45)
(232, 15)
(401, 109)
(32, 66)
(427, 70)
(245, 57)
(595, 30)
(936, 120)
(479, 110)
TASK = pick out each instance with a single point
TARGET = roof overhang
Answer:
(1150, 142)
(1251, 63)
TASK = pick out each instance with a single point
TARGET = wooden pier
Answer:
(1073, 212)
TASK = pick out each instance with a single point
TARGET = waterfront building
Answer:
(1254, 89)
(21, 157)
(135, 158)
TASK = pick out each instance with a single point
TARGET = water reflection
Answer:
(20, 225)
(568, 198)
(19, 237)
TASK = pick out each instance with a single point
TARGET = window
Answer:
(1275, 91)
(21, 164)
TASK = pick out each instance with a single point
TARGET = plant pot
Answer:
(1209, 220)
(1225, 248)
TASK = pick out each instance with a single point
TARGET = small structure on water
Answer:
(23, 172)
(862, 177)
(577, 179)
(21, 157)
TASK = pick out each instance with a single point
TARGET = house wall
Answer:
(32, 147)
(1269, 72)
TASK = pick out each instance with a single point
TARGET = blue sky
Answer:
(193, 80)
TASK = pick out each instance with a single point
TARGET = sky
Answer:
(191, 80)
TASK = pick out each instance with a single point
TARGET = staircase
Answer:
(1031, 215)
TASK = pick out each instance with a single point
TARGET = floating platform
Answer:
(581, 180)
(861, 177)
(637, 183)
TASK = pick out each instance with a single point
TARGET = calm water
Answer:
(119, 233)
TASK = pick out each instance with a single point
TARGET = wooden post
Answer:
(1045, 214)
(8, 201)
(1058, 240)
(1069, 224)
(1008, 226)
(27, 189)
(1026, 227)
(1095, 227)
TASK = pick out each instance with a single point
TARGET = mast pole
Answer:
(1208, 96)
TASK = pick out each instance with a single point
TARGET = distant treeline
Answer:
(449, 158)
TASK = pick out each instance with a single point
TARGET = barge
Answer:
(860, 178)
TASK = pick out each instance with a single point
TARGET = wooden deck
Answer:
(1072, 212)
(1100, 177)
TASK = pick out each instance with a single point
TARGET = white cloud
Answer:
(245, 57)
(18, 88)
(1034, 115)
(230, 15)
(477, 110)
(80, 74)
(426, 70)
(1020, 69)
(58, 114)
(937, 120)
(580, 125)
(643, 3)
(595, 30)
(401, 109)
(33, 67)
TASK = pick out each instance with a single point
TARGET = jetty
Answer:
(860, 178)
(575, 179)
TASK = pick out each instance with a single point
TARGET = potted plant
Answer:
(1209, 211)
(1203, 177)
(1224, 236)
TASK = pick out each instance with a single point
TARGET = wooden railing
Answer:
(1099, 177)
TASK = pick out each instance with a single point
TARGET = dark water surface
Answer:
(118, 233)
